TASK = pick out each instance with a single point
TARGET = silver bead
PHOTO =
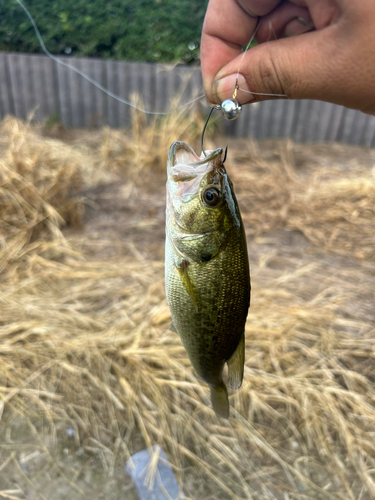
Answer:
(231, 109)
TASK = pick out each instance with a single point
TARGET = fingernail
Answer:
(223, 88)
(297, 26)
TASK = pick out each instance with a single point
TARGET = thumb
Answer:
(321, 65)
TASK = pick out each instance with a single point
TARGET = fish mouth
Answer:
(186, 169)
(183, 159)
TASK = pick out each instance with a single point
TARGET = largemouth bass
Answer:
(207, 274)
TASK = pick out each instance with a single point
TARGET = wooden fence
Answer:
(36, 83)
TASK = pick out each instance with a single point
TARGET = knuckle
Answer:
(271, 75)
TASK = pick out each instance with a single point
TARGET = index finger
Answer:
(228, 26)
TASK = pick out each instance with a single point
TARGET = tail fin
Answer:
(219, 399)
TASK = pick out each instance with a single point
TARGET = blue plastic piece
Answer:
(164, 487)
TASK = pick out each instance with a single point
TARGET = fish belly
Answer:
(210, 327)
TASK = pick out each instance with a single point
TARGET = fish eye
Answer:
(211, 197)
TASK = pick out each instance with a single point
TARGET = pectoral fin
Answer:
(184, 276)
(173, 328)
(236, 365)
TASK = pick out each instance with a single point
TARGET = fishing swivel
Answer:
(230, 109)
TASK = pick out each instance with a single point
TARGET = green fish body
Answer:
(206, 268)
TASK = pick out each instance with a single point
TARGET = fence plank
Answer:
(191, 86)
(369, 132)
(243, 121)
(46, 97)
(16, 81)
(302, 123)
(265, 117)
(279, 126)
(113, 83)
(322, 125)
(372, 143)
(76, 83)
(141, 84)
(347, 126)
(197, 87)
(252, 119)
(337, 120)
(163, 93)
(145, 84)
(359, 123)
(6, 94)
(85, 93)
(311, 119)
(64, 93)
(356, 128)
(98, 114)
(125, 92)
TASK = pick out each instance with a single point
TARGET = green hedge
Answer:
(134, 30)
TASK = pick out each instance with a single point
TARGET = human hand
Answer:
(335, 62)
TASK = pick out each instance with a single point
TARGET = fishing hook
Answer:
(204, 129)
(230, 109)
(225, 155)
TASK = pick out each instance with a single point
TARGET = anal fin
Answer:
(236, 365)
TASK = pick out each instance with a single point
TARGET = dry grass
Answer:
(333, 208)
(133, 154)
(85, 345)
(40, 182)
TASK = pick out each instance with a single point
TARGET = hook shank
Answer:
(204, 130)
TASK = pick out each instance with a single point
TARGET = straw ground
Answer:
(90, 373)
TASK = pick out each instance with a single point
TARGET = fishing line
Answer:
(261, 93)
(242, 58)
(247, 47)
(270, 28)
(93, 82)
